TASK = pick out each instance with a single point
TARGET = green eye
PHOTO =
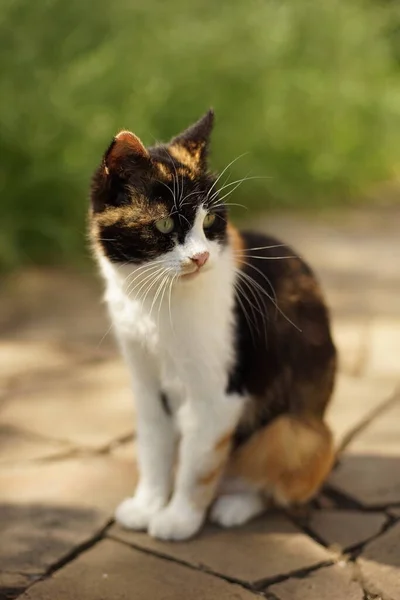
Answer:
(165, 225)
(208, 220)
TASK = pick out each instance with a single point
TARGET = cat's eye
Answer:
(165, 225)
(209, 220)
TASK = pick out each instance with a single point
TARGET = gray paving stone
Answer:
(373, 481)
(19, 446)
(13, 584)
(345, 528)
(261, 550)
(329, 583)
(353, 400)
(380, 565)
(382, 436)
(90, 408)
(112, 570)
(369, 470)
(47, 510)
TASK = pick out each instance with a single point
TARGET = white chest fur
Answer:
(188, 329)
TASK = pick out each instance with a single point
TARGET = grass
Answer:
(308, 91)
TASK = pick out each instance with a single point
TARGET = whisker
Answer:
(142, 283)
(270, 297)
(257, 297)
(226, 168)
(160, 287)
(267, 247)
(266, 257)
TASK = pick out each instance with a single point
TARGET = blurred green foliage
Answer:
(308, 90)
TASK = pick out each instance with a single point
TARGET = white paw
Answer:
(236, 509)
(173, 523)
(135, 513)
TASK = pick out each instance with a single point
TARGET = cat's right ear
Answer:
(126, 159)
(125, 153)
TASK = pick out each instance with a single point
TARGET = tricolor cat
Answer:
(226, 336)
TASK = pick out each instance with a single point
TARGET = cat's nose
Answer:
(201, 258)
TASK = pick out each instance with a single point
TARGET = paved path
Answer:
(67, 447)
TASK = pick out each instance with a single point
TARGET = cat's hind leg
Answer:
(288, 459)
(232, 510)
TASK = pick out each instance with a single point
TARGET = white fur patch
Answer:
(237, 509)
(177, 337)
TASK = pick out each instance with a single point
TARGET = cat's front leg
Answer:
(207, 425)
(155, 442)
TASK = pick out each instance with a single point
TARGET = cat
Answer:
(226, 335)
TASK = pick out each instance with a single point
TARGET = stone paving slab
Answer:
(262, 550)
(353, 400)
(380, 565)
(90, 408)
(113, 570)
(373, 481)
(382, 436)
(369, 472)
(19, 446)
(345, 528)
(18, 358)
(330, 583)
(384, 348)
(49, 509)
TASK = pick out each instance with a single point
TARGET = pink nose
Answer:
(200, 259)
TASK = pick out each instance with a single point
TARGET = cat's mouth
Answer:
(193, 274)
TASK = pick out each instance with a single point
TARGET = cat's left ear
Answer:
(191, 146)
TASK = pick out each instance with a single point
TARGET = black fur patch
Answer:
(285, 357)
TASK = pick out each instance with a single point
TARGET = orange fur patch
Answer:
(291, 456)
(189, 158)
(224, 441)
(237, 243)
(209, 477)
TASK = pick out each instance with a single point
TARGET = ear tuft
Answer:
(126, 146)
(190, 147)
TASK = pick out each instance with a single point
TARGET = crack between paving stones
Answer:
(262, 584)
(371, 416)
(74, 451)
(70, 556)
(202, 568)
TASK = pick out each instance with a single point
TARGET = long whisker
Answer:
(258, 298)
(250, 323)
(238, 181)
(143, 283)
(169, 301)
(163, 278)
(165, 285)
(267, 247)
(272, 300)
(226, 168)
(265, 257)
(135, 275)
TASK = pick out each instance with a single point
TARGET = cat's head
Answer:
(159, 204)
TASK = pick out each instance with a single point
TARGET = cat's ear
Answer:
(126, 159)
(191, 146)
(125, 153)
